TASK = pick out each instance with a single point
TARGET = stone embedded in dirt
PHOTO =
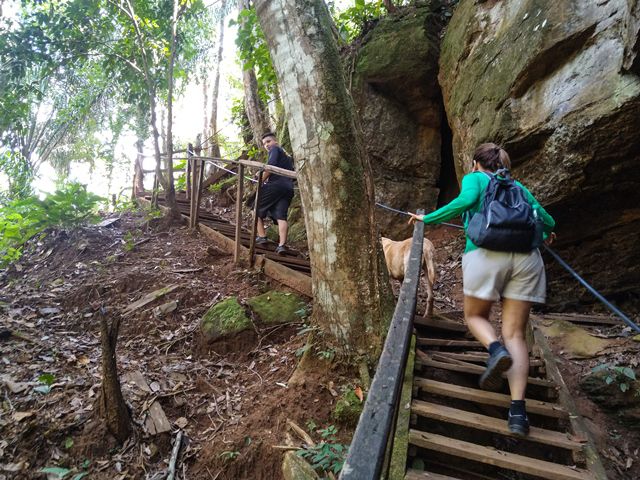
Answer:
(278, 307)
(224, 318)
(575, 341)
(625, 405)
(296, 468)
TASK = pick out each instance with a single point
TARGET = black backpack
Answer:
(506, 222)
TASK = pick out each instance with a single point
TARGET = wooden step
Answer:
(491, 456)
(423, 475)
(426, 361)
(487, 398)
(440, 342)
(482, 357)
(439, 323)
(490, 424)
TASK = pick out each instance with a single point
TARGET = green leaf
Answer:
(58, 471)
(43, 389)
(629, 373)
(47, 379)
(80, 475)
(68, 443)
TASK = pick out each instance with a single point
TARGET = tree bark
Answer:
(213, 122)
(138, 173)
(256, 113)
(111, 406)
(353, 299)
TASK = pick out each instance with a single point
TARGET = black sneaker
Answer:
(519, 424)
(261, 240)
(497, 364)
(281, 249)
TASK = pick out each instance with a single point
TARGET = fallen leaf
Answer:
(359, 394)
(15, 387)
(19, 416)
(13, 467)
(83, 360)
(181, 422)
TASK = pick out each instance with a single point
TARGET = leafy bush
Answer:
(21, 219)
(328, 455)
(621, 376)
(357, 20)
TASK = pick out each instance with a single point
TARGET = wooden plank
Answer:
(482, 357)
(498, 458)
(292, 278)
(439, 323)
(478, 421)
(578, 318)
(440, 342)
(427, 361)
(148, 298)
(423, 475)
(238, 229)
(487, 398)
(577, 424)
(368, 446)
(401, 440)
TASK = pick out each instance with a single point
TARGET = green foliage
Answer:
(61, 473)
(20, 220)
(19, 175)
(328, 455)
(357, 20)
(229, 455)
(254, 52)
(621, 376)
(47, 379)
(222, 184)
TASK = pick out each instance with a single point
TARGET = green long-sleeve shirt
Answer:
(470, 199)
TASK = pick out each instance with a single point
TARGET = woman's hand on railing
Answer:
(415, 218)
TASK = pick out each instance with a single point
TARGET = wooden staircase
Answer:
(459, 432)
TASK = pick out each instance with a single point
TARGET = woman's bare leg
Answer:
(476, 316)
(515, 314)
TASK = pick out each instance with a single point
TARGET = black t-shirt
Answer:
(278, 158)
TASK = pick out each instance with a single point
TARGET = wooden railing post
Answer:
(198, 167)
(254, 226)
(192, 200)
(239, 195)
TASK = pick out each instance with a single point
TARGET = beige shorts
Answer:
(491, 275)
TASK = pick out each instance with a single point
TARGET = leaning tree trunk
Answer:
(138, 172)
(353, 300)
(213, 122)
(111, 406)
(256, 113)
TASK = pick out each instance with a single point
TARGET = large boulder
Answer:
(276, 307)
(393, 73)
(224, 319)
(556, 83)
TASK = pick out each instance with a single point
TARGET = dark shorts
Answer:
(274, 202)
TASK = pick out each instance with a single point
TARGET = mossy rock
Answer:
(348, 409)
(295, 467)
(224, 318)
(278, 307)
(623, 405)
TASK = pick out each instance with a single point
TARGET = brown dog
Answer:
(396, 255)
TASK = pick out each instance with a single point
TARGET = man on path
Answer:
(276, 193)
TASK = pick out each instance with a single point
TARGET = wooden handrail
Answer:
(370, 440)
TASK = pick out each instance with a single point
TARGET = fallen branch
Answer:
(174, 456)
(304, 436)
(149, 298)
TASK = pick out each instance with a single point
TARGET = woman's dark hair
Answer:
(492, 157)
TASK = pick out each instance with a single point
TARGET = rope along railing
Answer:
(365, 460)
(566, 266)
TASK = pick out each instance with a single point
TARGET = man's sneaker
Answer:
(497, 364)
(519, 424)
(281, 249)
(261, 240)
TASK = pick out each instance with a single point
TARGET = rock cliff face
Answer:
(556, 83)
(393, 73)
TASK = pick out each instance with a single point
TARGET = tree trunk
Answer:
(256, 113)
(169, 185)
(353, 299)
(205, 103)
(213, 122)
(111, 406)
(138, 173)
